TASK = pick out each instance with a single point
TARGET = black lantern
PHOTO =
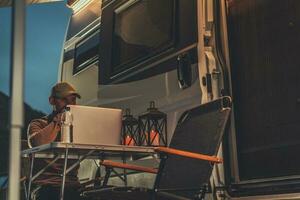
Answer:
(153, 127)
(129, 129)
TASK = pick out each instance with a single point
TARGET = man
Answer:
(46, 130)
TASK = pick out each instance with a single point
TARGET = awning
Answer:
(6, 3)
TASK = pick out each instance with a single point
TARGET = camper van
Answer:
(184, 53)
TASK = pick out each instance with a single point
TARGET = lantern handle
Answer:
(152, 104)
(127, 111)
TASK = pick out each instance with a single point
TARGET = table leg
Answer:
(125, 171)
(79, 160)
(44, 168)
(25, 189)
(64, 175)
(30, 176)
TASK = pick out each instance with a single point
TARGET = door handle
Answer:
(184, 72)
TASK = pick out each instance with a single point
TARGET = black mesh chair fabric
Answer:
(200, 130)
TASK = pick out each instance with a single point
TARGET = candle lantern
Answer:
(153, 127)
(129, 129)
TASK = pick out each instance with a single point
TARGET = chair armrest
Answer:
(112, 164)
(188, 154)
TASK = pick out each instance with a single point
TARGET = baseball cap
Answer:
(62, 90)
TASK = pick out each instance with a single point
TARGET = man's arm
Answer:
(42, 133)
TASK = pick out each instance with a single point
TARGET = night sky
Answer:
(46, 25)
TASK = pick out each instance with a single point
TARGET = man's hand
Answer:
(57, 122)
(58, 119)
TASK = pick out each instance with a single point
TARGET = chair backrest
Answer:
(199, 130)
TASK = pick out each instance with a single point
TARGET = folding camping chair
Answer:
(186, 165)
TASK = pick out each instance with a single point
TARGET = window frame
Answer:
(80, 66)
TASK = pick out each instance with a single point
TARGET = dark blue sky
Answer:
(46, 25)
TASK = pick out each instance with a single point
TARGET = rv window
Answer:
(141, 29)
(86, 52)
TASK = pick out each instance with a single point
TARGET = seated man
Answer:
(47, 130)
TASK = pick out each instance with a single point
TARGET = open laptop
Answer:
(95, 125)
